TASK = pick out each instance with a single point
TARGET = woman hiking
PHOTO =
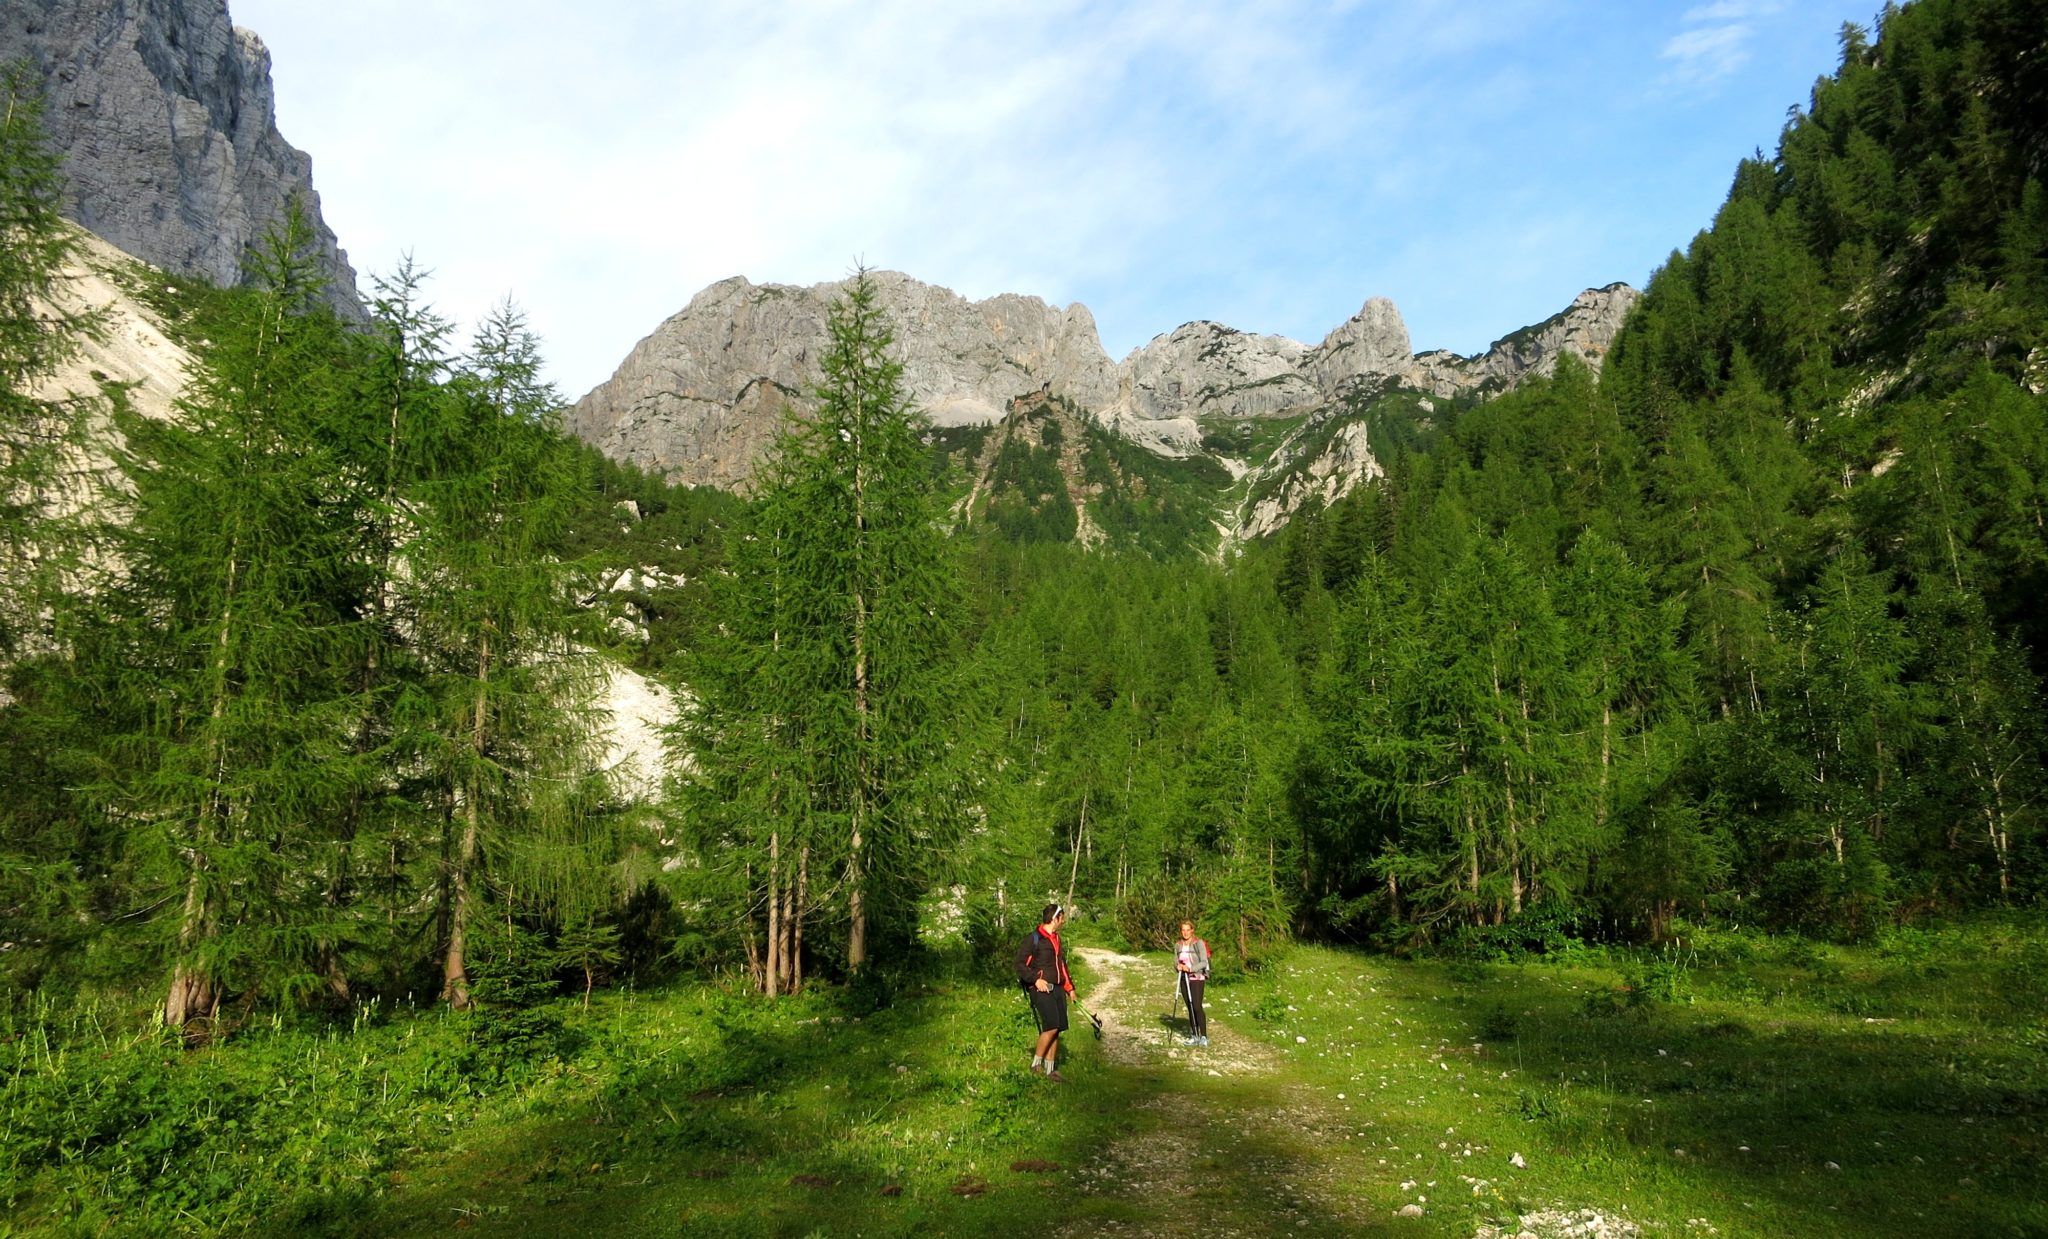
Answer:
(1191, 957)
(1042, 971)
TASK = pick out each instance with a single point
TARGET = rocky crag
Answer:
(701, 397)
(164, 115)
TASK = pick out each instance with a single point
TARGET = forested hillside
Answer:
(1748, 631)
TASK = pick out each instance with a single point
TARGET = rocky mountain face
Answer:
(1584, 328)
(700, 398)
(163, 112)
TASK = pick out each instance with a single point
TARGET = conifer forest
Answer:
(1693, 703)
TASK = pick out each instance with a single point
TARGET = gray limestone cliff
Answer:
(700, 398)
(163, 113)
(1585, 328)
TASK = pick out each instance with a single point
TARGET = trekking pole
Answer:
(1094, 1020)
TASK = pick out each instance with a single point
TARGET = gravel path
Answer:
(1198, 1156)
(1143, 1025)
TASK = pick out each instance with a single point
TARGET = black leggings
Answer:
(1191, 989)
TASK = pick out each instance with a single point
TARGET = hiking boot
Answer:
(1055, 1077)
(1203, 1039)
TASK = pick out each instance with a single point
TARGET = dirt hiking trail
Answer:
(1219, 1145)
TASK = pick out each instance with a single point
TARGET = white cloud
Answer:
(1716, 43)
(1268, 163)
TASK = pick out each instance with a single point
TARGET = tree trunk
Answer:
(856, 902)
(2000, 834)
(193, 994)
(1074, 869)
(796, 937)
(455, 970)
(1606, 760)
(771, 981)
(757, 972)
(1514, 841)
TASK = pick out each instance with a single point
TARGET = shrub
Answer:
(1150, 915)
(1544, 929)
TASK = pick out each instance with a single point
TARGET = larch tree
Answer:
(821, 746)
(37, 333)
(496, 615)
(45, 841)
(232, 617)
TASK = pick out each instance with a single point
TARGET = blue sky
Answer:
(1265, 165)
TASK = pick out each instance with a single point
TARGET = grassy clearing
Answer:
(1744, 1086)
(1751, 1086)
(692, 1111)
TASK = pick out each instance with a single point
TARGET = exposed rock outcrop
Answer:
(699, 398)
(1208, 370)
(1344, 461)
(1371, 346)
(1586, 328)
(164, 115)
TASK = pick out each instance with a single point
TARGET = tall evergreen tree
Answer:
(1839, 721)
(237, 612)
(37, 333)
(48, 845)
(496, 615)
(824, 719)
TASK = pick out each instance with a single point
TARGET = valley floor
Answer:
(1371, 1088)
(1746, 1086)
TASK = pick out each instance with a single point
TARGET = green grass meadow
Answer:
(1741, 1085)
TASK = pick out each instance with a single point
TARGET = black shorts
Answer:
(1049, 1008)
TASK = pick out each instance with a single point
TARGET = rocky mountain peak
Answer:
(1371, 344)
(166, 121)
(701, 397)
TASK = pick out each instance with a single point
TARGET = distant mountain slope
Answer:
(700, 399)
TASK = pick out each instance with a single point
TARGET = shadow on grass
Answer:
(744, 1116)
(1851, 1128)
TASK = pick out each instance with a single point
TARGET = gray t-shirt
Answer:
(1194, 956)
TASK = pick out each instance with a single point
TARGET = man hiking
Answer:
(1191, 958)
(1042, 971)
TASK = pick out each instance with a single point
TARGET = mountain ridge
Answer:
(699, 399)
